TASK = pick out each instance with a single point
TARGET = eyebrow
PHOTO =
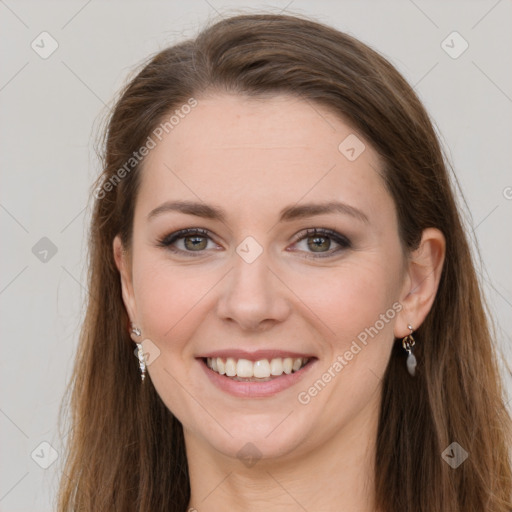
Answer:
(287, 214)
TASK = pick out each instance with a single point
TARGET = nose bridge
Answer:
(252, 294)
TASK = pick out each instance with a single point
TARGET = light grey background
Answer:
(50, 114)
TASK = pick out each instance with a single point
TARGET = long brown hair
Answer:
(125, 448)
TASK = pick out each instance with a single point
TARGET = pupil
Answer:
(319, 242)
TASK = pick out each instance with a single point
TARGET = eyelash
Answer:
(341, 240)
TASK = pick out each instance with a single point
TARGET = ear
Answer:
(423, 274)
(124, 265)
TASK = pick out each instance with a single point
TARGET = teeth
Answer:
(244, 368)
(230, 367)
(276, 367)
(287, 365)
(262, 369)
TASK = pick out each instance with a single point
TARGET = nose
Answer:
(253, 296)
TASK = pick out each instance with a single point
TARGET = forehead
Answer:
(260, 153)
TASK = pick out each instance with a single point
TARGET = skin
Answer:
(252, 158)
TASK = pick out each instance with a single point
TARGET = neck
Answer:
(337, 475)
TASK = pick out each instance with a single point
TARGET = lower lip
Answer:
(256, 389)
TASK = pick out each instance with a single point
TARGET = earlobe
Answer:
(422, 281)
(123, 263)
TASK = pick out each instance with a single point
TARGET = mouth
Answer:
(262, 370)
(256, 375)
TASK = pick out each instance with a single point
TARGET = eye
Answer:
(190, 240)
(194, 241)
(320, 240)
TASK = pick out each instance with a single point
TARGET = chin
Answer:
(261, 436)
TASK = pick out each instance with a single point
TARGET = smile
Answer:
(260, 374)
(254, 371)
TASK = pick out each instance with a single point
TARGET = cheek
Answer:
(170, 301)
(353, 298)
(359, 305)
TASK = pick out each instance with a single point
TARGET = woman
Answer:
(276, 231)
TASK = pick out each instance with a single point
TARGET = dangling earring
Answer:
(140, 352)
(408, 342)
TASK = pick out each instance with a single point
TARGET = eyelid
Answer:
(181, 233)
(322, 232)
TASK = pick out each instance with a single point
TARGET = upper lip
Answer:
(256, 355)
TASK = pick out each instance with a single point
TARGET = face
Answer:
(296, 301)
